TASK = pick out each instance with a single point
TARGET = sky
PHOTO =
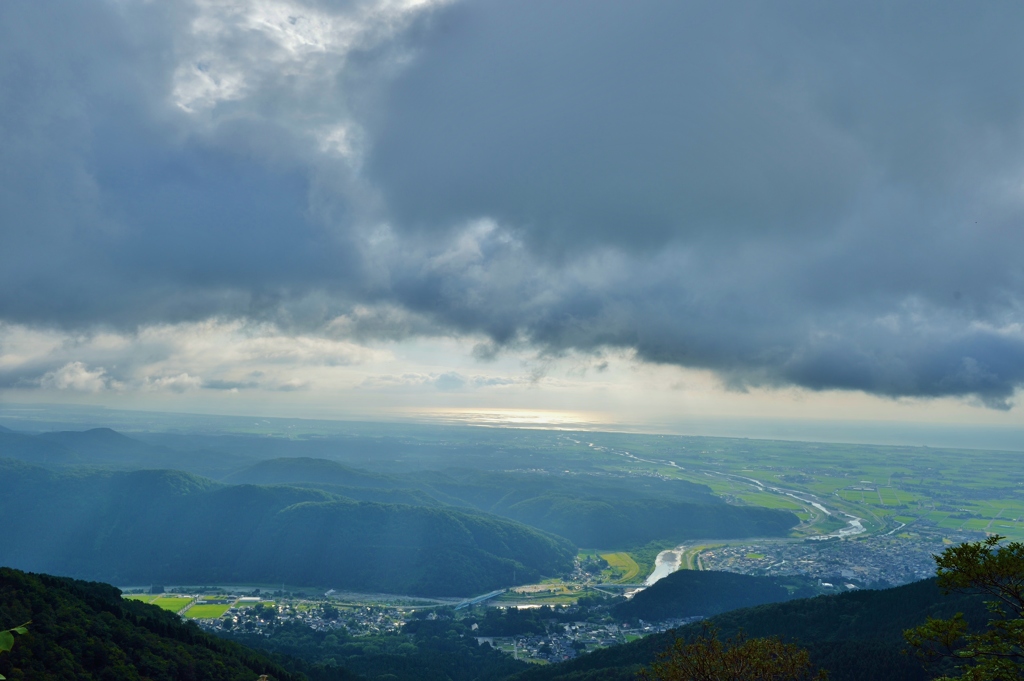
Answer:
(641, 213)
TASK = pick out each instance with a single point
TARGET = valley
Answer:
(334, 543)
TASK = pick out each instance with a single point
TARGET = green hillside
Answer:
(171, 527)
(309, 470)
(608, 510)
(589, 510)
(85, 631)
(598, 508)
(596, 521)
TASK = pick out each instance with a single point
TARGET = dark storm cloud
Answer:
(113, 209)
(639, 123)
(839, 187)
(815, 194)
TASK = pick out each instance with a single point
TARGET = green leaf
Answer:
(6, 641)
(20, 630)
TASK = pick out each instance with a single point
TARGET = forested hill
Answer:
(589, 510)
(855, 636)
(148, 527)
(304, 469)
(687, 593)
(85, 631)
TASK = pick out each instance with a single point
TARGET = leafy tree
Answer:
(997, 653)
(7, 639)
(707, 658)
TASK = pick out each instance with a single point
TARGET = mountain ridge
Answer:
(169, 526)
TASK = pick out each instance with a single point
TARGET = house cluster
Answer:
(876, 561)
(259, 616)
(566, 641)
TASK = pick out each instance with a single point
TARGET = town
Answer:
(876, 561)
(255, 613)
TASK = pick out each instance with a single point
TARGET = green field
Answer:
(623, 565)
(145, 598)
(172, 603)
(201, 612)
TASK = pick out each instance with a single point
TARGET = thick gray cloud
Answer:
(118, 206)
(787, 193)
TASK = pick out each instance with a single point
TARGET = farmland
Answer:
(624, 568)
(205, 611)
(888, 488)
(172, 603)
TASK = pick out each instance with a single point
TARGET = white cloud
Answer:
(77, 377)
(179, 383)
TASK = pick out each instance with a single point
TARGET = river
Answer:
(665, 564)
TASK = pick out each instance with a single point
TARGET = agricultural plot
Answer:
(145, 598)
(205, 611)
(888, 497)
(172, 603)
(624, 568)
(540, 594)
(769, 500)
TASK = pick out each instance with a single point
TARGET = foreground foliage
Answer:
(707, 658)
(85, 631)
(7, 639)
(996, 653)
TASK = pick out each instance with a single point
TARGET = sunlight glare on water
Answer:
(513, 418)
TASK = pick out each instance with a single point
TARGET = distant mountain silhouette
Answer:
(103, 445)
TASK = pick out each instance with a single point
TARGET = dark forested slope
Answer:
(687, 593)
(171, 527)
(855, 636)
(85, 631)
